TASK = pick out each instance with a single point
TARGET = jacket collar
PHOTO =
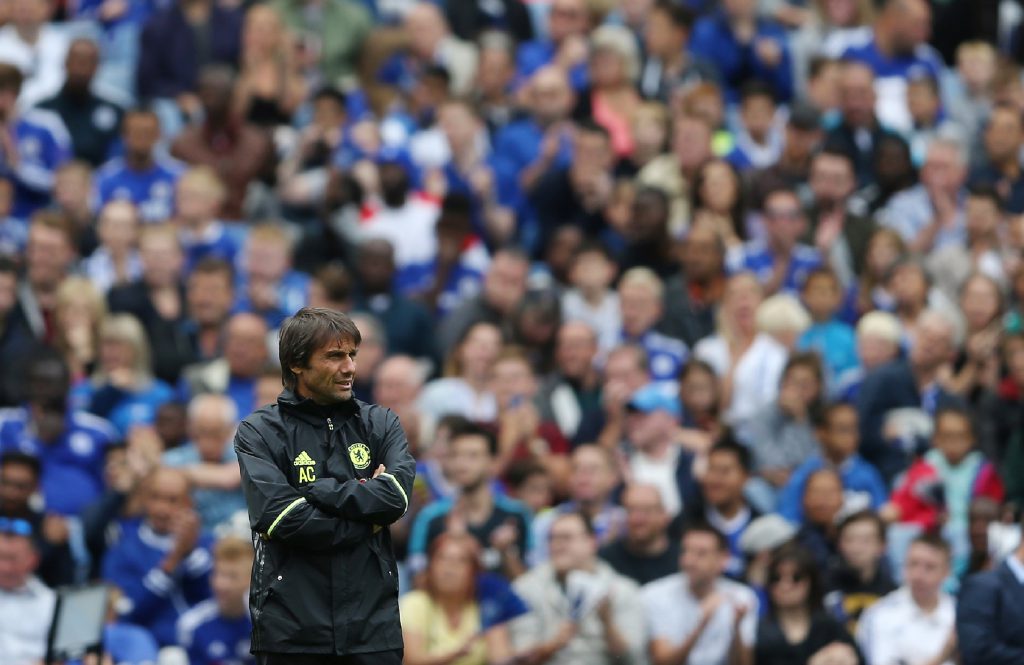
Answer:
(316, 414)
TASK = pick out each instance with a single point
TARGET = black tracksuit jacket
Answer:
(324, 580)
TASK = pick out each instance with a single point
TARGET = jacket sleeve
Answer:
(382, 500)
(976, 619)
(278, 511)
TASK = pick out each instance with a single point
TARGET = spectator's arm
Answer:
(218, 476)
(976, 619)
(148, 591)
(381, 500)
(277, 510)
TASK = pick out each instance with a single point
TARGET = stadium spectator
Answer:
(79, 312)
(209, 295)
(832, 339)
(797, 630)
(696, 613)
(668, 64)
(691, 298)
(92, 120)
(115, 261)
(220, 627)
(597, 618)
(916, 622)
(50, 256)
(860, 574)
(208, 460)
(564, 45)
(162, 560)
(37, 47)
(271, 85)
(644, 552)
(268, 286)
(27, 602)
(572, 391)
(1003, 138)
(822, 503)
(625, 372)
(233, 147)
(860, 131)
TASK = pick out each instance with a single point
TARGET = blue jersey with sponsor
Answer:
(43, 144)
(72, 465)
(213, 639)
(151, 190)
(758, 258)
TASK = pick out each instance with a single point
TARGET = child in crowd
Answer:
(926, 114)
(832, 339)
(860, 575)
(758, 139)
(591, 298)
(939, 486)
(839, 435)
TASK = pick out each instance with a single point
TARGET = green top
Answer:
(339, 26)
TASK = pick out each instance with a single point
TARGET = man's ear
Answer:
(297, 371)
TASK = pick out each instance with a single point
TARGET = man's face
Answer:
(702, 256)
(395, 386)
(229, 582)
(376, 266)
(932, 346)
(48, 256)
(80, 65)
(982, 216)
(624, 373)
(512, 380)
(592, 151)
(822, 295)
(141, 133)
(245, 347)
(214, 93)
(661, 37)
(570, 545)
(591, 478)
(842, 433)
(702, 560)
(646, 430)
(1003, 134)
(943, 169)
(567, 18)
(166, 499)
(691, 142)
(209, 297)
(469, 462)
(784, 220)
(724, 480)
(211, 434)
(758, 114)
(823, 498)
(832, 180)
(857, 95)
(268, 260)
(196, 201)
(649, 219)
(575, 349)
(17, 561)
(925, 570)
(646, 518)
(17, 483)
(912, 22)
(505, 282)
(953, 437)
(331, 372)
(495, 71)
(641, 308)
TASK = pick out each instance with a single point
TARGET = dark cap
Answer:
(804, 116)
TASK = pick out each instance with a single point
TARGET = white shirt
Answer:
(453, 395)
(755, 383)
(673, 614)
(661, 473)
(25, 617)
(42, 63)
(895, 631)
(409, 229)
(605, 319)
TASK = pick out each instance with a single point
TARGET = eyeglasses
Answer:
(15, 526)
(795, 578)
(789, 214)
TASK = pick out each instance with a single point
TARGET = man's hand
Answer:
(55, 529)
(709, 606)
(380, 469)
(186, 533)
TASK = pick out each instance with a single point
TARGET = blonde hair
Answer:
(646, 278)
(621, 42)
(126, 328)
(229, 549)
(782, 313)
(157, 230)
(882, 325)
(205, 178)
(77, 290)
(976, 47)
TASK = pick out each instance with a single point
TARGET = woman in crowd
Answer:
(78, 315)
(465, 387)
(797, 630)
(270, 87)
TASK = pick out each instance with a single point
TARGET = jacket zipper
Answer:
(257, 637)
(330, 425)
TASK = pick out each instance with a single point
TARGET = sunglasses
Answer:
(15, 526)
(795, 578)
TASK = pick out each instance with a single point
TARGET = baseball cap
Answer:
(653, 398)
(766, 533)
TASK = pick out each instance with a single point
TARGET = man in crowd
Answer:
(645, 552)
(25, 601)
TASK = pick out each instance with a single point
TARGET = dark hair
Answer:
(806, 568)
(925, 79)
(756, 88)
(822, 271)
(703, 527)
(456, 203)
(8, 265)
(818, 64)
(838, 151)
(680, 16)
(11, 77)
(984, 190)
(956, 409)
(934, 540)
(588, 525)
(808, 359)
(521, 471)
(139, 111)
(16, 457)
(467, 429)
(728, 445)
(211, 265)
(738, 211)
(866, 515)
(825, 416)
(332, 93)
(335, 280)
(307, 331)
(593, 247)
(590, 127)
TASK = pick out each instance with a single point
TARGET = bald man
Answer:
(161, 561)
(246, 354)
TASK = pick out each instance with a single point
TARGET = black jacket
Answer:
(325, 579)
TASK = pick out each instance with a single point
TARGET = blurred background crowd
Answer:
(704, 318)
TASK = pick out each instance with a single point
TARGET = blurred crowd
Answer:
(704, 318)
